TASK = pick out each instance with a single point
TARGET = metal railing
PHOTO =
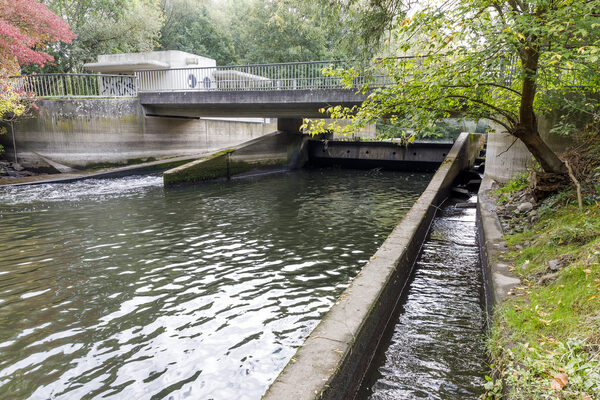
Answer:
(261, 77)
(76, 85)
(258, 77)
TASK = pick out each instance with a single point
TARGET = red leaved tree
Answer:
(26, 26)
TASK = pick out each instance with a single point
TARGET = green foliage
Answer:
(103, 27)
(190, 27)
(359, 29)
(550, 326)
(504, 61)
(530, 369)
(232, 31)
(275, 31)
(519, 182)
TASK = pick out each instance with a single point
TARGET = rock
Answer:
(554, 265)
(17, 167)
(525, 207)
(548, 278)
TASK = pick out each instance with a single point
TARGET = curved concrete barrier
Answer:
(334, 358)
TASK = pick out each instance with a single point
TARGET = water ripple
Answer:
(436, 350)
(121, 289)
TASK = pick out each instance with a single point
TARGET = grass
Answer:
(520, 182)
(550, 324)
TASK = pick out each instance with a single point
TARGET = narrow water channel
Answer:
(435, 349)
(120, 289)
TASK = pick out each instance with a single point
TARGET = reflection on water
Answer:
(121, 289)
(436, 350)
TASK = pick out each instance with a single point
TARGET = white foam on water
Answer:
(88, 189)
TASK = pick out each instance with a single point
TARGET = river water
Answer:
(435, 350)
(120, 289)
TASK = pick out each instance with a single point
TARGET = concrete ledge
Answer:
(497, 276)
(334, 358)
(118, 172)
(274, 150)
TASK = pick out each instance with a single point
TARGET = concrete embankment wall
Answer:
(334, 358)
(83, 132)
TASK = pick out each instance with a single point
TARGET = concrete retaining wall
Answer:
(334, 358)
(82, 132)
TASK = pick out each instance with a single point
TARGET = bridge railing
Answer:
(261, 77)
(76, 85)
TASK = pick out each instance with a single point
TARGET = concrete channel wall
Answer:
(498, 279)
(335, 357)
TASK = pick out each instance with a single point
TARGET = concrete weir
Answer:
(334, 358)
(277, 150)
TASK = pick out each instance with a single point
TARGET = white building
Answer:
(172, 70)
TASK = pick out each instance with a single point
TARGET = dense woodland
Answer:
(231, 31)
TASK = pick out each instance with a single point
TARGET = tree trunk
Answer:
(527, 129)
(548, 160)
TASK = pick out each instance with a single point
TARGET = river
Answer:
(120, 288)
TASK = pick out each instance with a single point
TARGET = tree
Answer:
(357, 27)
(506, 60)
(190, 27)
(275, 31)
(25, 26)
(104, 27)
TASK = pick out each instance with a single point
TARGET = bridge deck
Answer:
(271, 104)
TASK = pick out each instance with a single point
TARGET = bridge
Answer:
(287, 91)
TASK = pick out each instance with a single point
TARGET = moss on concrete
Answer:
(217, 165)
(211, 167)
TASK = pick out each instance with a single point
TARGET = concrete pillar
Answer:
(291, 125)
